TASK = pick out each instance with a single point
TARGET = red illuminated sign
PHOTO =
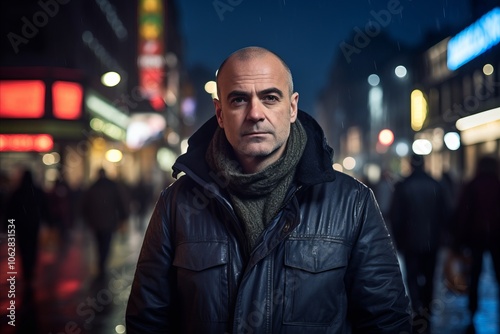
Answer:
(22, 98)
(151, 48)
(26, 143)
(67, 99)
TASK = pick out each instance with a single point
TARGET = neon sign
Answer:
(474, 40)
(26, 142)
(26, 99)
(151, 48)
(67, 99)
(22, 98)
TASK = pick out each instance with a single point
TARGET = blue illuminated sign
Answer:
(474, 40)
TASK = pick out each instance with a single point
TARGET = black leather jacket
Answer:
(325, 264)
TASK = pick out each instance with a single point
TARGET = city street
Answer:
(105, 103)
(67, 298)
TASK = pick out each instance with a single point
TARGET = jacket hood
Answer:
(314, 167)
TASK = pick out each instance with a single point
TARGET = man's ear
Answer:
(294, 107)
(218, 112)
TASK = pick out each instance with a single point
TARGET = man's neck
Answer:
(252, 165)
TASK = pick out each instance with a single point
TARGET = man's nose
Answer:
(255, 110)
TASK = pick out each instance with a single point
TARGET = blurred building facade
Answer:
(459, 82)
(368, 94)
(384, 100)
(58, 113)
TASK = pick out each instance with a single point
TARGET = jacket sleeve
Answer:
(377, 299)
(151, 306)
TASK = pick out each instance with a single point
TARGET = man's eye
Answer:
(272, 98)
(238, 100)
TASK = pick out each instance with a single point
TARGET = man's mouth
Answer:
(255, 133)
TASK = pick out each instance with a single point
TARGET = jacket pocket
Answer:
(314, 282)
(202, 280)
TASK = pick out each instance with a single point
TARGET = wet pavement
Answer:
(451, 315)
(68, 299)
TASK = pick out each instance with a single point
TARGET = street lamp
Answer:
(418, 109)
(110, 79)
(402, 149)
(488, 69)
(211, 88)
(349, 163)
(400, 71)
(114, 155)
(386, 137)
(373, 80)
(422, 147)
(452, 141)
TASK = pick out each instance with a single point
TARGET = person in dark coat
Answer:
(418, 214)
(261, 234)
(28, 206)
(142, 194)
(477, 225)
(60, 197)
(104, 210)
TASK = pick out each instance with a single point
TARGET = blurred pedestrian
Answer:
(477, 228)
(451, 190)
(383, 190)
(104, 211)
(418, 213)
(143, 196)
(61, 209)
(28, 206)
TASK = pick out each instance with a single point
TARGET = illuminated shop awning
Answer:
(480, 127)
(106, 118)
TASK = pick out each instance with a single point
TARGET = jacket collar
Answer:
(314, 167)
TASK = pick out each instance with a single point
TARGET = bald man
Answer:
(260, 234)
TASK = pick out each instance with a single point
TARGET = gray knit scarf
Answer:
(257, 197)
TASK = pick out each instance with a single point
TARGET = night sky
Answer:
(306, 34)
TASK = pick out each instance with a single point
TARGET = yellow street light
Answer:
(211, 88)
(114, 155)
(418, 109)
(110, 79)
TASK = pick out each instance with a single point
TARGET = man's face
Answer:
(255, 109)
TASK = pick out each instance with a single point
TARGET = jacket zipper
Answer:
(225, 203)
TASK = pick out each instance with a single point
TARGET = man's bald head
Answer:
(253, 52)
